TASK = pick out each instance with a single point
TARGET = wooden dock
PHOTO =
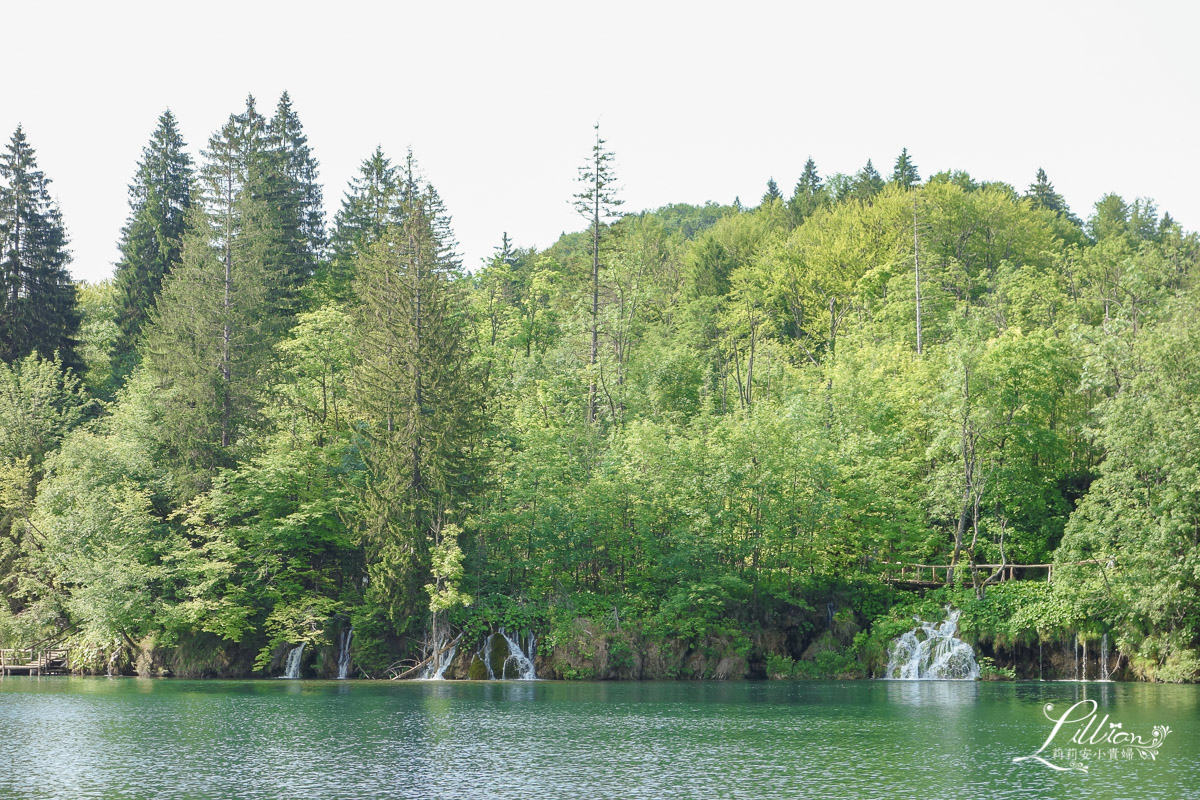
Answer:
(31, 661)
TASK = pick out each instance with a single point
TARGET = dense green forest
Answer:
(687, 442)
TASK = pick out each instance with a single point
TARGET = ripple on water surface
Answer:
(99, 738)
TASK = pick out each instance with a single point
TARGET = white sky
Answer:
(700, 101)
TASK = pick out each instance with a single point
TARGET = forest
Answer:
(689, 442)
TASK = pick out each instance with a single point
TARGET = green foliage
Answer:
(447, 571)
(828, 662)
(988, 671)
(701, 610)
(95, 547)
(40, 402)
(98, 335)
(691, 437)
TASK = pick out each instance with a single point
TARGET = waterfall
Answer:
(932, 652)
(522, 662)
(1083, 666)
(1077, 657)
(485, 655)
(291, 667)
(1104, 657)
(517, 664)
(343, 661)
(435, 670)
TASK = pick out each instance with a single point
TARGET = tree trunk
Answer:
(595, 302)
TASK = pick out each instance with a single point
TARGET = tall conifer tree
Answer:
(370, 204)
(808, 194)
(219, 314)
(416, 390)
(597, 202)
(38, 310)
(152, 239)
(772, 194)
(285, 136)
(867, 182)
(905, 174)
(281, 180)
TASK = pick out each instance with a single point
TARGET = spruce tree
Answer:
(868, 182)
(418, 193)
(905, 173)
(772, 194)
(285, 136)
(597, 202)
(1041, 192)
(219, 313)
(152, 239)
(281, 185)
(38, 310)
(808, 194)
(369, 206)
(417, 393)
(269, 203)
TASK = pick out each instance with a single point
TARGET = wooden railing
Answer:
(32, 661)
(937, 574)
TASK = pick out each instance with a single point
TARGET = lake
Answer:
(130, 738)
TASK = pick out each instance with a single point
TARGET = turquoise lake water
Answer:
(67, 738)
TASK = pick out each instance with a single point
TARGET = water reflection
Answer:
(80, 738)
(933, 694)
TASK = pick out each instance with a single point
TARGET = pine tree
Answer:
(152, 238)
(1041, 193)
(868, 182)
(226, 170)
(905, 173)
(416, 390)
(38, 310)
(267, 184)
(417, 193)
(809, 193)
(281, 178)
(772, 194)
(1166, 224)
(370, 205)
(219, 313)
(285, 136)
(597, 202)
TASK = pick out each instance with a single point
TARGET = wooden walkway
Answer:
(30, 661)
(938, 574)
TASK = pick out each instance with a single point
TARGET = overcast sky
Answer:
(700, 101)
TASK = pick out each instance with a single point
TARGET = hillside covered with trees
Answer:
(687, 442)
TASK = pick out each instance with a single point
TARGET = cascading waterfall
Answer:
(518, 663)
(343, 661)
(485, 655)
(1083, 671)
(443, 655)
(291, 666)
(932, 652)
(1077, 673)
(1104, 674)
(521, 661)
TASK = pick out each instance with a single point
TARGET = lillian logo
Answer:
(1080, 738)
